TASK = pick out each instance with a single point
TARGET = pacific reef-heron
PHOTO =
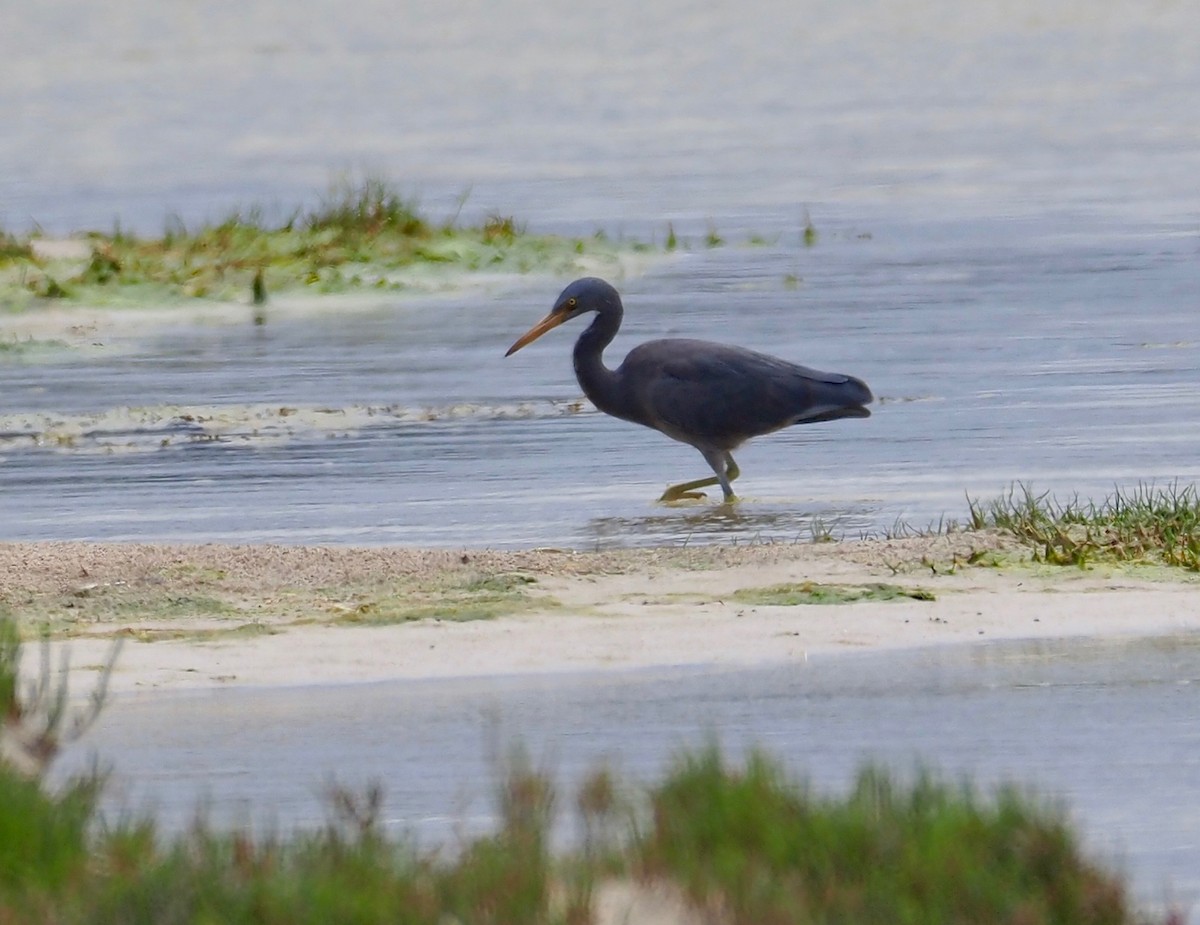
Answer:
(710, 396)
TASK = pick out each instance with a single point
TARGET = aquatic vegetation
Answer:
(13, 249)
(810, 231)
(501, 228)
(24, 347)
(758, 239)
(361, 235)
(811, 592)
(158, 427)
(1142, 525)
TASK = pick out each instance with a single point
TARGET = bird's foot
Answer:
(670, 496)
(689, 491)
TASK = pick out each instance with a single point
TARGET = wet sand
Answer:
(197, 617)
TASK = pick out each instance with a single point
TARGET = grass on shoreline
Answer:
(362, 235)
(210, 593)
(1145, 525)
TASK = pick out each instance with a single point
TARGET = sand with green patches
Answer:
(195, 617)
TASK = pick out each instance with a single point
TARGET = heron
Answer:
(710, 396)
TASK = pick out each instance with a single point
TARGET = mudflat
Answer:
(204, 616)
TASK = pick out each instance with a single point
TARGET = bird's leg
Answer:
(726, 471)
(731, 471)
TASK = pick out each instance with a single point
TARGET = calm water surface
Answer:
(1000, 352)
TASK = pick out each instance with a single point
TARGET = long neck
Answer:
(600, 384)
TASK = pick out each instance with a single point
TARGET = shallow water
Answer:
(1000, 352)
(1007, 217)
(1084, 724)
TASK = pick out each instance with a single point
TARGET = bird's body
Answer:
(711, 396)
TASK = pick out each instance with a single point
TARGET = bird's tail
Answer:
(836, 396)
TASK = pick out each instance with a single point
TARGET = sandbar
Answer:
(299, 615)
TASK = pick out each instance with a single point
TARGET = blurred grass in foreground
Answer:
(728, 844)
(722, 842)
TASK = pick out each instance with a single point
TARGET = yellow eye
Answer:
(570, 303)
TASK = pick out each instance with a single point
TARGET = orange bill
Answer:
(552, 320)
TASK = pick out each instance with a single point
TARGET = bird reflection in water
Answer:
(726, 522)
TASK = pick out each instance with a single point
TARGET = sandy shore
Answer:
(195, 617)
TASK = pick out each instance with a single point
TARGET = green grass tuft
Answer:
(43, 839)
(368, 209)
(13, 249)
(1146, 525)
(672, 240)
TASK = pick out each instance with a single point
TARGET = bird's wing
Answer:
(711, 393)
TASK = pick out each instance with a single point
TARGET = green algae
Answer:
(363, 236)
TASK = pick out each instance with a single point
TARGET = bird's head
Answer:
(584, 295)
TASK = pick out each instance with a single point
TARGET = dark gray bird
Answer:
(709, 396)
